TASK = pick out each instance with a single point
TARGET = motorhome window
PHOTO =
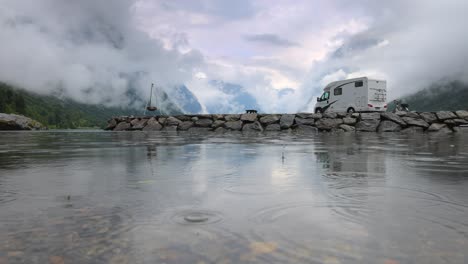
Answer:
(326, 95)
(359, 84)
(338, 91)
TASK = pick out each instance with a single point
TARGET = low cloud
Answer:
(271, 39)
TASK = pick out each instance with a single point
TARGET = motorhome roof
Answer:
(349, 80)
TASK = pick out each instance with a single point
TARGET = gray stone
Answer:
(286, 121)
(412, 115)
(388, 126)
(302, 121)
(370, 116)
(249, 117)
(111, 125)
(329, 115)
(336, 130)
(355, 115)
(233, 125)
(413, 130)
(349, 120)
(162, 120)
(220, 130)
(152, 125)
(450, 122)
(305, 129)
(445, 130)
(462, 114)
(186, 125)
(305, 115)
(316, 116)
(444, 115)
(341, 115)
(369, 125)
(393, 117)
(255, 126)
(140, 124)
(415, 122)
(204, 122)
(328, 123)
(460, 121)
(269, 119)
(230, 118)
(122, 126)
(400, 113)
(19, 122)
(436, 127)
(172, 121)
(273, 127)
(199, 130)
(194, 119)
(347, 128)
(218, 123)
(184, 118)
(428, 117)
(218, 117)
(135, 121)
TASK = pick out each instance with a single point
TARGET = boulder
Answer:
(401, 113)
(329, 115)
(269, 119)
(152, 125)
(162, 120)
(218, 123)
(186, 125)
(460, 121)
(444, 115)
(303, 121)
(316, 116)
(273, 127)
(199, 130)
(428, 117)
(122, 126)
(218, 117)
(412, 115)
(393, 117)
(184, 118)
(220, 130)
(233, 125)
(450, 122)
(231, 118)
(306, 115)
(462, 114)
(255, 126)
(328, 123)
(415, 122)
(204, 122)
(194, 119)
(388, 126)
(110, 125)
(19, 122)
(369, 125)
(249, 117)
(436, 127)
(355, 115)
(305, 129)
(287, 121)
(172, 121)
(349, 120)
(347, 128)
(413, 129)
(140, 124)
(370, 116)
(341, 115)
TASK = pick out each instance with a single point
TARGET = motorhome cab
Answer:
(353, 95)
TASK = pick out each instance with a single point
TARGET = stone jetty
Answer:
(404, 122)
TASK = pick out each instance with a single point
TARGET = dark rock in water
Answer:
(287, 121)
(428, 117)
(249, 117)
(122, 126)
(273, 127)
(230, 118)
(393, 117)
(111, 125)
(303, 121)
(328, 123)
(140, 124)
(329, 115)
(218, 123)
(369, 125)
(152, 125)
(255, 126)
(462, 114)
(347, 128)
(204, 123)
(220, 130)
(305, 129)
(186, 125)
(413, 129)
(349, 120)
(162, 120)
(415, 122)
(370, 116)
(199, 130)
(233, 125)
(269, 119)
(444, 115)
(172, 121)
(19, 122)
(436, 127)
(388, 126)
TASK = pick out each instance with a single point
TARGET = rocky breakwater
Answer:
(19, 122)
(306, 123)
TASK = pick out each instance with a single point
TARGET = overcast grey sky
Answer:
(92, 50)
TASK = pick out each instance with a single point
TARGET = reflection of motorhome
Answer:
(353, 95)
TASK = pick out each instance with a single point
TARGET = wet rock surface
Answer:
(407, 122)
(19, 122)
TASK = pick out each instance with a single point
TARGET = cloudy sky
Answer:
(93, 50)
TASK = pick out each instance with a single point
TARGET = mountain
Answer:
(237, 99)
(440, 96)
(185, 100)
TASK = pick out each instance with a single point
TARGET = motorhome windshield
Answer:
(325, 96)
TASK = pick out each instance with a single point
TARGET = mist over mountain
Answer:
(236, 99)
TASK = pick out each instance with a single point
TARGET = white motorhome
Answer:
(353, 95)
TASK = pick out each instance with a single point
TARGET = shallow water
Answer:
(104, 197)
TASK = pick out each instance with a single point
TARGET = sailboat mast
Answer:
(151, 94)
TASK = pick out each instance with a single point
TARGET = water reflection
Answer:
(97, 197)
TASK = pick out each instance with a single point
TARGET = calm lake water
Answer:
(133, 197)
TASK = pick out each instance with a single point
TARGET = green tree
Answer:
(20, 104)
